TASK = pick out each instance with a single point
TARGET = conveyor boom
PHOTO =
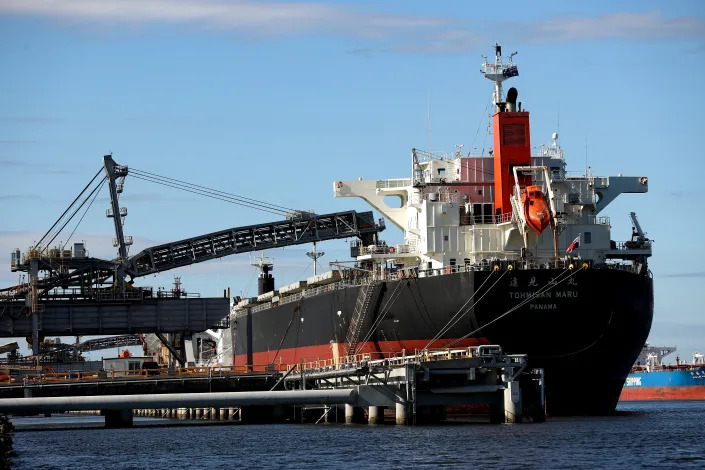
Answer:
(310, 228)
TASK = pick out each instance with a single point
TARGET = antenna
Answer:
(586, 156)
(428, 125)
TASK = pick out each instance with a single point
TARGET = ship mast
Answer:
(499, 72)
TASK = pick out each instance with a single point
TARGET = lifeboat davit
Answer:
(536, 211)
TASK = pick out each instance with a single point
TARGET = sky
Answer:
(277, 100)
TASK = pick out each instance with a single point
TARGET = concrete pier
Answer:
(401, 414)
(512, 403)
(375, 415)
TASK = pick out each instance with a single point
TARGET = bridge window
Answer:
(587, 238)
(441, 172)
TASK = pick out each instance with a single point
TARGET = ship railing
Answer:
(401, 248)
(423, 156)
(310, 292)
(631, 245)
(260, 307)
(629, 267)
(470, 219)
(393, 183)
(410, 273)
(352, 361)
(489, 355)
(197, 371)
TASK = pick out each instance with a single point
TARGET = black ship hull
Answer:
(585, 330)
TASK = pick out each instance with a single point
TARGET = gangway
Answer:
(365, 306)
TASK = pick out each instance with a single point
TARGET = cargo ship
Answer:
(502, 247)
(650, 379)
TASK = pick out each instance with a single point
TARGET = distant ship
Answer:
(504, 247)
(651, 380)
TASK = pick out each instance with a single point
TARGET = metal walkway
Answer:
(86, 317)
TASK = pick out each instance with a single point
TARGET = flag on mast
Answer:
(575, 244)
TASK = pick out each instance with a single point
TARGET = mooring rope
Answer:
(551, 284)
(450, 325)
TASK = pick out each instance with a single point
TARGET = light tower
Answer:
(314, 255)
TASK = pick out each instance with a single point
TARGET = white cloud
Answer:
(259, 18)
(394, 33)
(623, 25)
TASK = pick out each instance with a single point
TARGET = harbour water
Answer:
(641, 435)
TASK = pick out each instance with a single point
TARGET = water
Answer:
(643, 435)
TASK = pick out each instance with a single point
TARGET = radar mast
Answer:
(499, 72)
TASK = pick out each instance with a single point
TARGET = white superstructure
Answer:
(448, 215)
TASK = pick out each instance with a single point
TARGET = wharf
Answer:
(417, 387)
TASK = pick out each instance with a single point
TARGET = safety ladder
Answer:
(364, 306)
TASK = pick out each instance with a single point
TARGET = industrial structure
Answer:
(417, 387)
(69, 292)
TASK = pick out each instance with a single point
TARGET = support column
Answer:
(354, 414)
(512, 403)
(401, 413)
(349, 414)
(33, 278)
(118, 418)
(375, 415)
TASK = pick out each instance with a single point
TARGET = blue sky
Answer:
(276, 100)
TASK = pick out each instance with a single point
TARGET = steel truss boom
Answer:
(82, 276)
(308, 229)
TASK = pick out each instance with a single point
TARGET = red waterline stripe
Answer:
(693, 392)
(324, 352)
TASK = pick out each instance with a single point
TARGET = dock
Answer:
(418, 387)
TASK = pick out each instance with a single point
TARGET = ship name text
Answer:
(559, 294)
(633, 381)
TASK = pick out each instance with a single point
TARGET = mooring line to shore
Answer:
(551, 284)
(450, 325)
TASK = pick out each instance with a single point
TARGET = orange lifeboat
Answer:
(536, 211)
